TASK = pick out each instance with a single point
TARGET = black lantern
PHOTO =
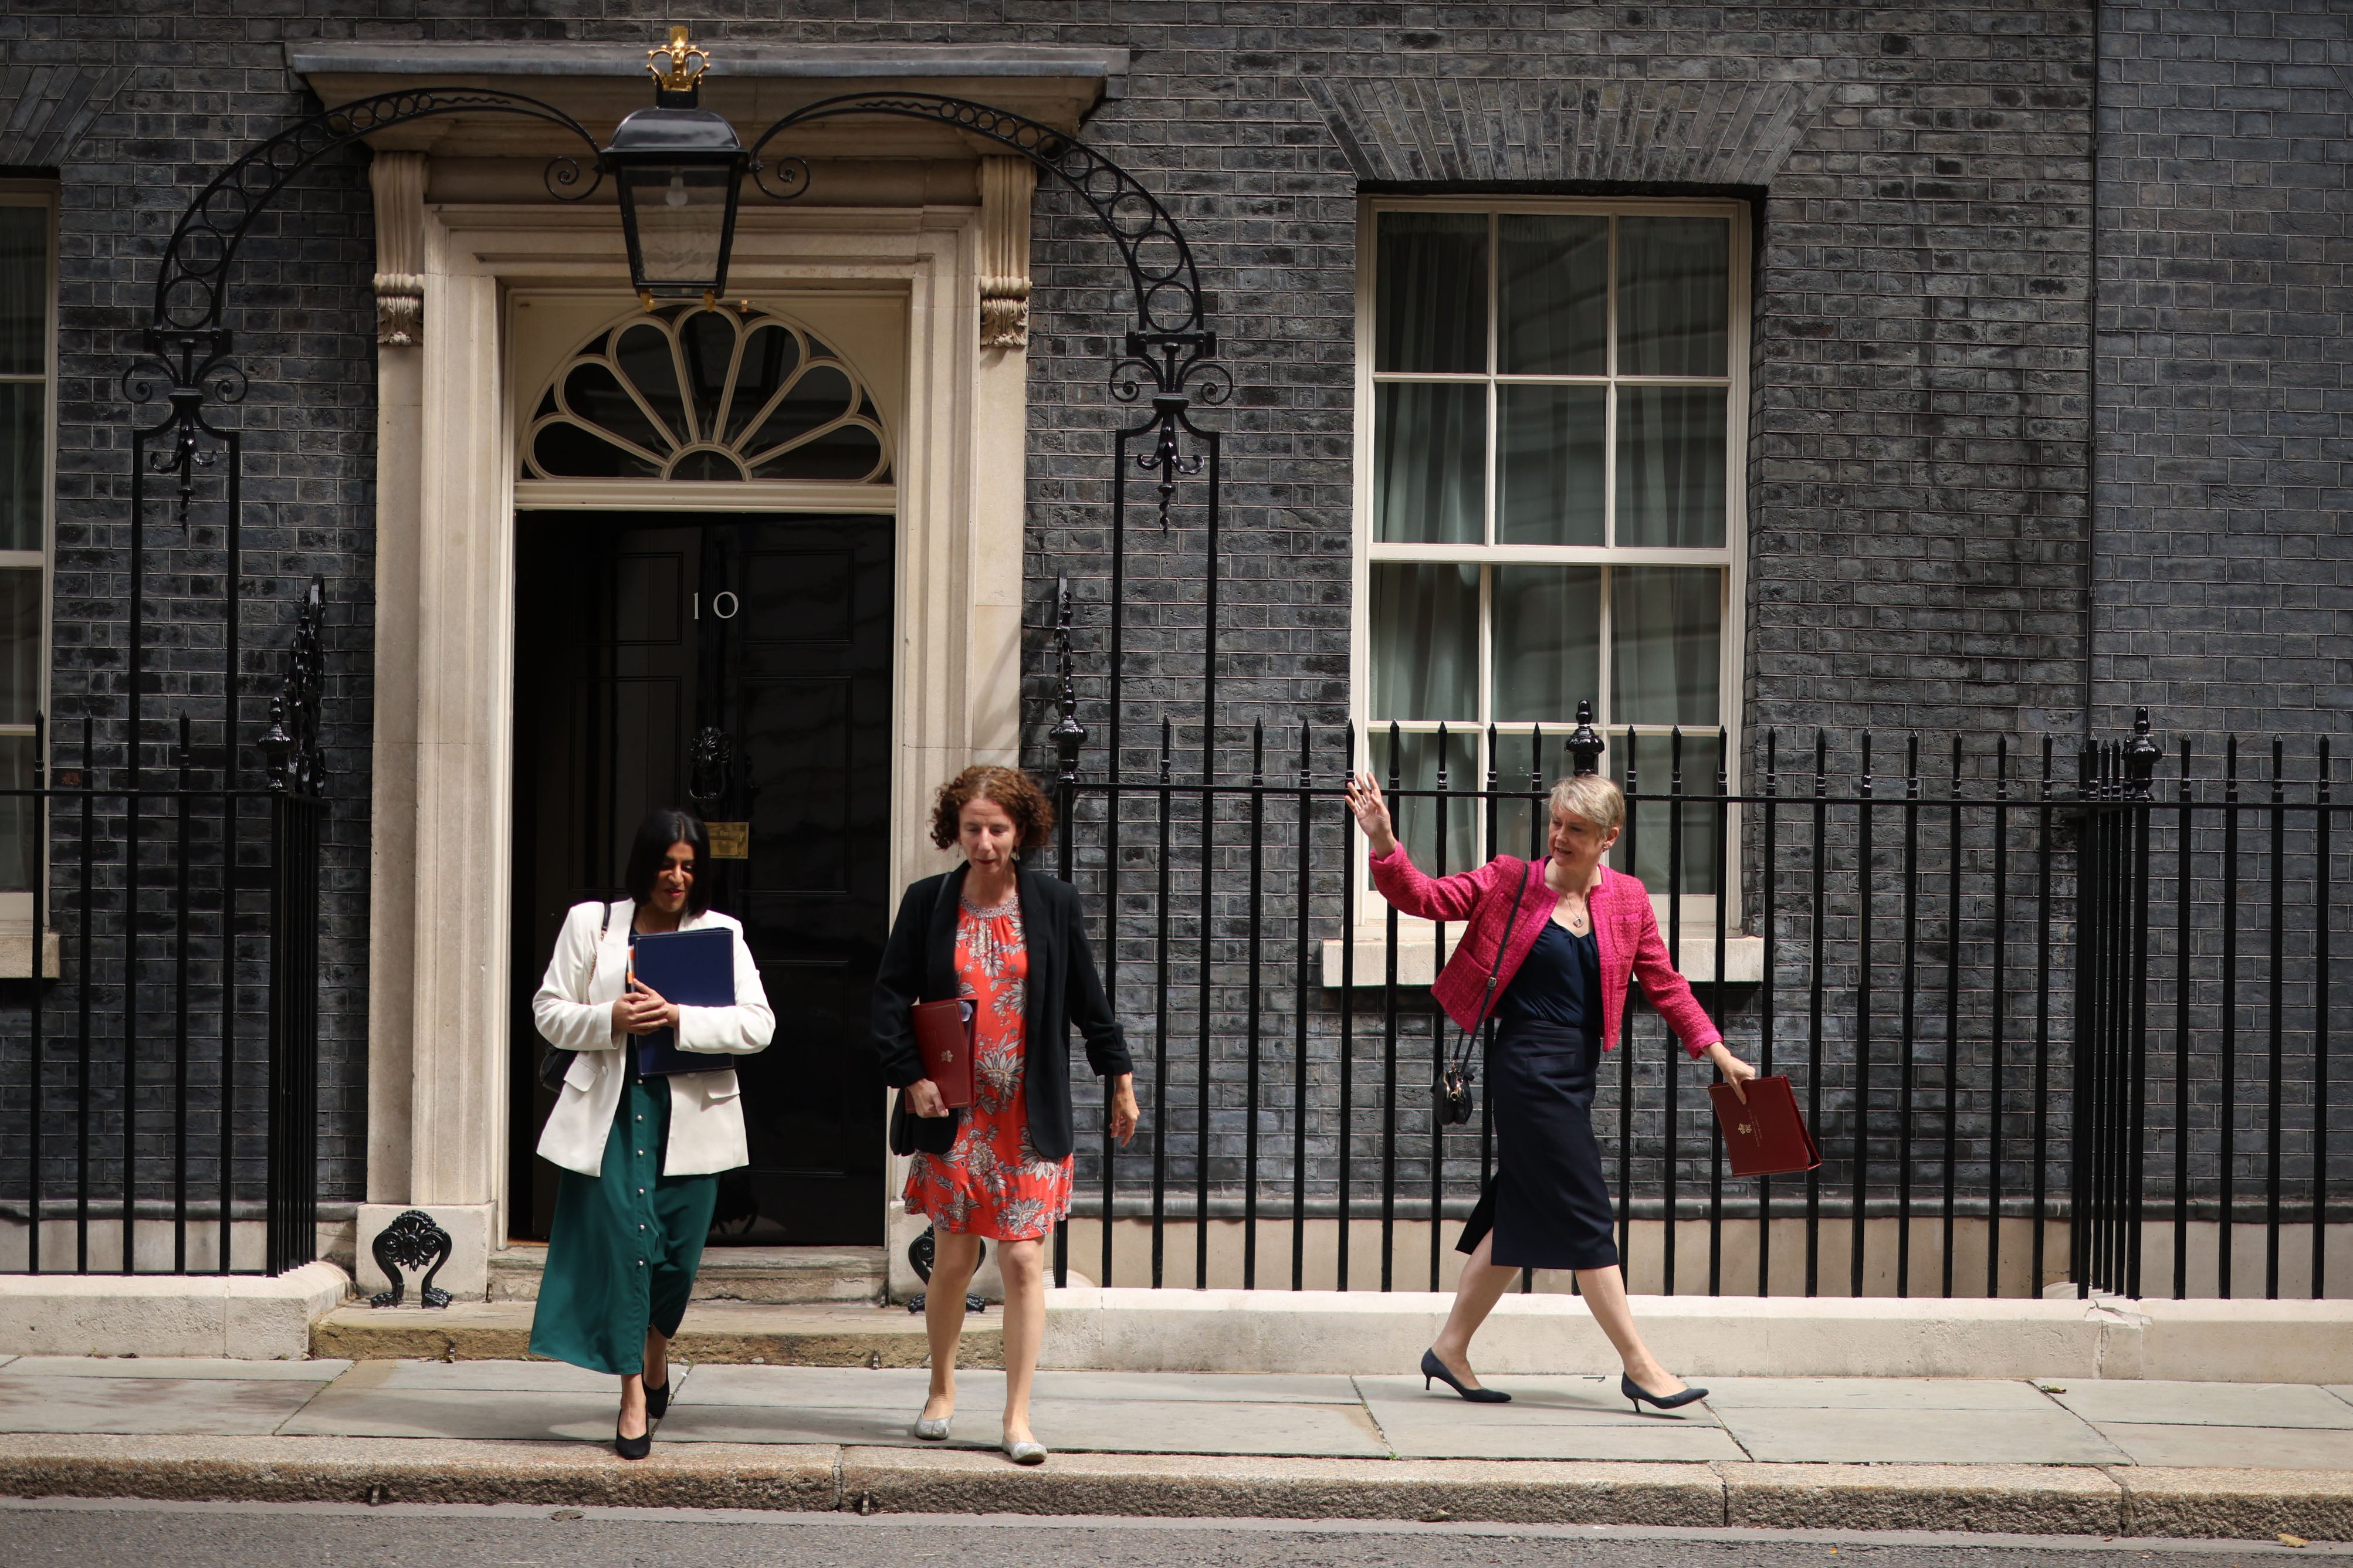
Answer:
(679, 169)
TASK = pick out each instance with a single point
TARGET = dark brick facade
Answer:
(2225, 581)
(1921, 384)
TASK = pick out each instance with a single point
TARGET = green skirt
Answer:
(625, 1246)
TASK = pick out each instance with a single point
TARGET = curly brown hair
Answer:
(1011, 788)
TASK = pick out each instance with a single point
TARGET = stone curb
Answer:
(899, 1480)
(2021, 1499)
(2253, 1505)
(2028, 1500)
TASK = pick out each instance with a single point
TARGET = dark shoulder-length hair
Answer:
(651, 852)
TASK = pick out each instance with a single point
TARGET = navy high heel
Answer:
(1433, 1367)
(636, 1447)
(1639, 1395)
(657, 1402)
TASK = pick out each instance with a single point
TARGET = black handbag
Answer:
(1454, 1098)
(555, 1062)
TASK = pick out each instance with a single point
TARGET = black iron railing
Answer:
(1981, 964)
(161, 1070)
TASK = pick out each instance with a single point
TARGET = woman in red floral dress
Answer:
(1010, 941)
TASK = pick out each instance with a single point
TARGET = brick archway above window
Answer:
(707, 395)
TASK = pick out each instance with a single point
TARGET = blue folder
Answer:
(694, 969)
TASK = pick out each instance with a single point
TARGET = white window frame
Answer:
(1698, 908)
(17, 907)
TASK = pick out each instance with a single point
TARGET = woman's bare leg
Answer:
(1605, 1297)
(1024, 1266)
(657, 1374)
(1481, 1285)
(952, 1261)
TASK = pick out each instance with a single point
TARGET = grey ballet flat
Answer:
(1027, 1451)
(932, 1428)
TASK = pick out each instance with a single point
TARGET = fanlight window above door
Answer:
(707, 394)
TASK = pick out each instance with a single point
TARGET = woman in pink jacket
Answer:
(1571, 933)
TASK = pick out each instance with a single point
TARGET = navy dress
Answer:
(1547, 1203)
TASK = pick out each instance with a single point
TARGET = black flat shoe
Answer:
(632, 1448)
(657, 1402)
(1433, 1367)
(1640, 1397)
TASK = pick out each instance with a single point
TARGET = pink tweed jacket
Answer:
(1625, 931)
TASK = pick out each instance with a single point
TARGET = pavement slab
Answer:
(147, 1404)
(1417, 1430)
(1920, 1436)
(873, 1425)
(2229, 1447)
(500, 1377)
(471, 1413)
(2278, 1404)
(1199, 1426)
(1594, 1396)
(829, 1387)
(1873, 1393)
(2034, 1499)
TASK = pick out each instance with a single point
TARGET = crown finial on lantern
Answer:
(677, 65)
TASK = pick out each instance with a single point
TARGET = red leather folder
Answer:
(1764, 1136)
(944, 1037)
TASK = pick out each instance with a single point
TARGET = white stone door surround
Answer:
(440, 1008)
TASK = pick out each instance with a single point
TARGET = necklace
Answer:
(1580, 918)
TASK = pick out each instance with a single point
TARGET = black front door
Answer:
(740, 666)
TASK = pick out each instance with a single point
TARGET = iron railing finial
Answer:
(2141, 754)
(1585, 744)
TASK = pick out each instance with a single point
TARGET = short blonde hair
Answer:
(1592, 797)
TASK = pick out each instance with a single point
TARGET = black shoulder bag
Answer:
(558, 1061)
(1454, 1099)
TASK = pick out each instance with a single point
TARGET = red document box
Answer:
(1765, 1136)
(943, 1036)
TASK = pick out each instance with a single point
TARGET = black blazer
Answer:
(919, 965)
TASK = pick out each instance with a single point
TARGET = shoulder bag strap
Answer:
(1494, 971)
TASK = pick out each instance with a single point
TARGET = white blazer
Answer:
(574, 1010)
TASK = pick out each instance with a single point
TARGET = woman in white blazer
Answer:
(640, 1156)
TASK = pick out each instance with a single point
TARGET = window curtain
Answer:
(1673, 304)
(1665, 645)
(1425, 627)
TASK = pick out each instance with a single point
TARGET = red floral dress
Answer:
(993, 1183)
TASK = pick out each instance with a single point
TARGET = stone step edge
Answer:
(2248, 1505)
(767, 1277)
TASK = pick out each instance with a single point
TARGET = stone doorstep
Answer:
(2033, 1499)
(769, 1275)
(723, 1332)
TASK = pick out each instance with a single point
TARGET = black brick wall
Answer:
(1920, 381)
(2225, 593)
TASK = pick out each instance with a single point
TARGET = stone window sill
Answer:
(17, 954)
